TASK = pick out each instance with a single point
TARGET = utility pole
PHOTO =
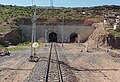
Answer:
(34, 23)
(33, 39)
(62, 28)
(22, 31)
(78, 39)
(46, 36)
(51, 2)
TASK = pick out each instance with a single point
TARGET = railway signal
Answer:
(35, 45)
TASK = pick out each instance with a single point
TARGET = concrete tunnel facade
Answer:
(53, 31)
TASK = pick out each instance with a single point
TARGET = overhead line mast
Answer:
(34, 18)
(33, 38)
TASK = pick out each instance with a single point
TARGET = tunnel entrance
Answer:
(73, 37)
(53, 37)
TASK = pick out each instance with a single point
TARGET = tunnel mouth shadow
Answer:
(53, 37)
(73, 37)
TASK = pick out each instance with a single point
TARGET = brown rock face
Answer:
(89, 22)
(84, 35)
(13, 37)
(98, 38)
(52, 21)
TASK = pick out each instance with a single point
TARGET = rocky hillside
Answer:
(97, 38)
(10, 17)
(101, 37)
(97, 12)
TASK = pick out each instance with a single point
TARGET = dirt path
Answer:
(16, 69)
(94, 66)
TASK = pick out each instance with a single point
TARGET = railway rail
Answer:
(57, 72)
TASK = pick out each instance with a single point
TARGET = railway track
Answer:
(52, 66)
(53, 62)
(48, 67)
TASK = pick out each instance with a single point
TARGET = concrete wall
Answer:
(45, 31)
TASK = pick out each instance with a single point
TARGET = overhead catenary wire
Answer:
(35, 17)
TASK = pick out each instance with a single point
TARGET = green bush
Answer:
(16, 48)
(9, 11)
(114, 33)
(25, 44)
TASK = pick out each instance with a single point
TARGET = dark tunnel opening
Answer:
(53, 37)
(73, 37)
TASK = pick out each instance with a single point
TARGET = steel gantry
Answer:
(34, 18)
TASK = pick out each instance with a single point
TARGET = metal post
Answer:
(22, 31)
(51, 2)
(34, 24)
(33, 39)
(22, 37)
(46, 36)
(78, 39)
(62, 28)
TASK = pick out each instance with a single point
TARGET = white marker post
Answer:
(35, 45)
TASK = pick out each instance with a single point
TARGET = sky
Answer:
(61, 3)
